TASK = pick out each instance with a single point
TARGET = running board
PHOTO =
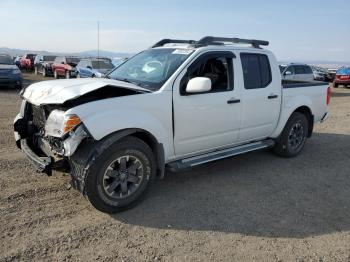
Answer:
(219, 154)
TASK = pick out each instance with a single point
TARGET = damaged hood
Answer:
(60, 91)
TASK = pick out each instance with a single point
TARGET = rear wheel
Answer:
(293, 137)
(121, 175)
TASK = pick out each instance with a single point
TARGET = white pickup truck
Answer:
(179, 104)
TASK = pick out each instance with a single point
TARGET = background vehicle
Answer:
(43, 64)
(27, 62)
(320, 74)
(65, 66)
(10, 75)
(93, 67)
(118, 61)
(298, 72)
(179, 104)
(17, 61)
(342, 77)
(331, 73)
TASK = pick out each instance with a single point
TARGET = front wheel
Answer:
(293, 137)
(121, 175)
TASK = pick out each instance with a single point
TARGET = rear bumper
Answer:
(342, 82)
(10, 81)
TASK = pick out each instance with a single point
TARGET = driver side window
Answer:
(217, 67)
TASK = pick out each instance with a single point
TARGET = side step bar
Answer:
(219, 154)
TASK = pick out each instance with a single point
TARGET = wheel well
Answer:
(309, 116)
(146, 137)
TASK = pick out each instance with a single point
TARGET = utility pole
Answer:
(98, 43)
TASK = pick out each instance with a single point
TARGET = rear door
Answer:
(205, 121)
(261, 96)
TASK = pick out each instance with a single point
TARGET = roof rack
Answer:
(173, 41)
(211, 40)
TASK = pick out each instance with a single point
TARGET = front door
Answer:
(205, 121)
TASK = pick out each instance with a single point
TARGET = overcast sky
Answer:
(297, 30)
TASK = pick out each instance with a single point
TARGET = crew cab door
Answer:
(209, 120)
(261, 96)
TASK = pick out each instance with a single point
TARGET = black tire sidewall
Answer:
(94, 187)
(283, 147)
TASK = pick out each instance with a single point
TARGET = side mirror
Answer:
(287, 73)
(89, 67)
(198, 85)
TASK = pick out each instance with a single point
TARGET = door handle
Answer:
(233, 101)
(272, 96)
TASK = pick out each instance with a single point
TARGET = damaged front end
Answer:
(48, 136)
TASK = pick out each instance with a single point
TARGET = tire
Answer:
(293, 137)
(55, 75)
(106, 192)
(67, 75)
(335, 85)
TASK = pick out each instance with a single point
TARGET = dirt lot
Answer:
(252, 207)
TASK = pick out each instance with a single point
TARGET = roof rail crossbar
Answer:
(173, 41)
(210, 40)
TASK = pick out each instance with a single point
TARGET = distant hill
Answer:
(103, 53)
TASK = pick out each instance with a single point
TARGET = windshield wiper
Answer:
(128, 81)
(131, 82)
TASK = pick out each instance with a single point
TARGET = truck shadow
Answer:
(256, 194)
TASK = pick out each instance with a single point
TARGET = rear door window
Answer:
(299, 69)
(307, 70)
(256, 70)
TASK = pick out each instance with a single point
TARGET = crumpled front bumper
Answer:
(42, 164)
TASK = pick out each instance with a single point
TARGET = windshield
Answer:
(72, 60)
(49, 58)
(6, 60)
(150, 69)
(102, 64)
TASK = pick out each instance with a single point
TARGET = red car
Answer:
(65, 66)
(27, 62)
(342, 77)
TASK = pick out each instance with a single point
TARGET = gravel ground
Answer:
(254, 207)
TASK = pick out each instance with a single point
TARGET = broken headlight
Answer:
(59, 124)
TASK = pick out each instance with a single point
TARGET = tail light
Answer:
(329, 94)
(343, 77)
